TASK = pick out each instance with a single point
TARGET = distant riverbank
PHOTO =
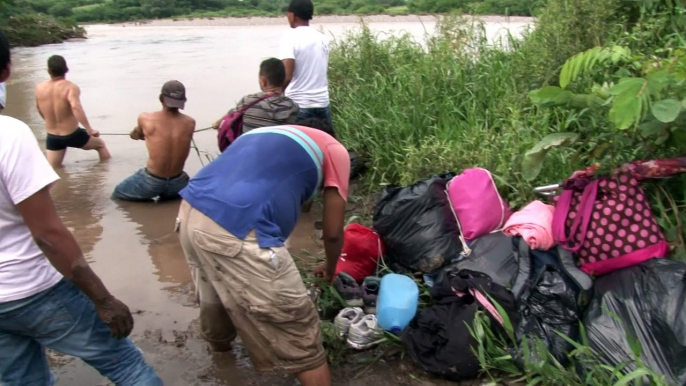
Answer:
(324, 19)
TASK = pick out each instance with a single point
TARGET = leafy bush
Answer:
(454, 100)
(34, 29)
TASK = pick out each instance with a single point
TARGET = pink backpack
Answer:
(477, 205)
(231, 126)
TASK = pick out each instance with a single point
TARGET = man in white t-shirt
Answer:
(49, 296)
(305, 54)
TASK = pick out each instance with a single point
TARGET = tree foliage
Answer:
(125, 10)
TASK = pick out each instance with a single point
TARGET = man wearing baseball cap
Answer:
(167, 134)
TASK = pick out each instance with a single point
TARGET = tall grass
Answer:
(449, 102)
(454, 100)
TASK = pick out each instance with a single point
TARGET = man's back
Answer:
(168, 138)
(263, 178)
(53, 100)
(309, 87)
(271, 111)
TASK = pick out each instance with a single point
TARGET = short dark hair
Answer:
(274, 70)
(302, 9)
(5, 56)
(317, 123)
(57, 65)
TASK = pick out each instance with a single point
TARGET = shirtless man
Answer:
(167, 134)
(59, 104)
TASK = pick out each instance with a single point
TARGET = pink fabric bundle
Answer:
(534, 223)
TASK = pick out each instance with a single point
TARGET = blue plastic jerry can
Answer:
(397, 302)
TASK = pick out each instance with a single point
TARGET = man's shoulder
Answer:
(12, 130)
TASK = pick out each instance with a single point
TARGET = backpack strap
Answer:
(253, 103)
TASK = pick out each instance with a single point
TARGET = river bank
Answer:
(33, 30)
(324, 19)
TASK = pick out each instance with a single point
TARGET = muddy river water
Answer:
(120, 70)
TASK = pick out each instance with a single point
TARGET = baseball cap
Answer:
(174, 94)
(302, 9)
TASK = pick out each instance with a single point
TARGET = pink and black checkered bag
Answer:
(607, 221)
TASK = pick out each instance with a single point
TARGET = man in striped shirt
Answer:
(270, 107)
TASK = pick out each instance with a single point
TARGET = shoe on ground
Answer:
(346, 318)
(349, 290)
(370, 292)
(365, 334)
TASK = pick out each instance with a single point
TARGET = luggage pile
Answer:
(592, 255)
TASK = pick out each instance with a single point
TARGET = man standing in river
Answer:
(59, 103)
(236, 214)
(305, 54)
(49, 296)
(167, 134)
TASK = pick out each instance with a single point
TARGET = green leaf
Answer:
(628, 86)
(639, 373)
(666, 110)
(657, 81)
(533, 159)
(625, 110)
(651, 127)
(550, 96)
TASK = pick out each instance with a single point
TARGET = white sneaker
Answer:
(346, 318)
(365, 333)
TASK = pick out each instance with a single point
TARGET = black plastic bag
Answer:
(647, 303)
(551, 300)
(417, 225)
(547, 308)
(493, 254)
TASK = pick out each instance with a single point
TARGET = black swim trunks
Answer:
(77, 139)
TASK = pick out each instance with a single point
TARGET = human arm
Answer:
(332, 231)
(27, 176)
(74, 98)
(287, 54)
(61, 249)
(336, 171)
(290, 68)
(38, 106)
(137, 132)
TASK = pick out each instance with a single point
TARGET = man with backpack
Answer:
(305, 53)
(269, 107)
(236, 215)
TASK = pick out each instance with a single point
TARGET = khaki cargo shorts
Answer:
(254, 292)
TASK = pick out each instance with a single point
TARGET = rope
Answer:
(127, 134)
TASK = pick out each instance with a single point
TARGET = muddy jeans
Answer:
(254, 292)
(64, 319)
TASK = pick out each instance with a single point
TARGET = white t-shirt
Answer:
(24, 270)
(309, 87)
(3, 95)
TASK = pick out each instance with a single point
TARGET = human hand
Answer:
(117, 316)
(322, 271)
(94, 133)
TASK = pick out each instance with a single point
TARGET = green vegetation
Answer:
(455, 101)
(33, 29)
(535, 365)
(88, 11)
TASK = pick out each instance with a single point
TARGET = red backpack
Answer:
(362, 248)
(231, 126)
